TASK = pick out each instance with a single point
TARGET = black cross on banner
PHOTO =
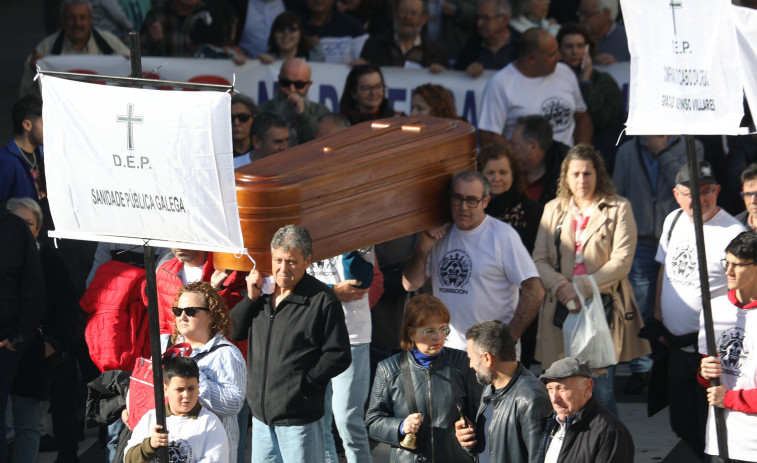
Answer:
(130, 120)
(673, 5)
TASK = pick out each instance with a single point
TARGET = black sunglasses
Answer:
(241, 116)
(298, 84)
(191, 311)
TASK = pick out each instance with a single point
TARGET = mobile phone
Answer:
(462, 417)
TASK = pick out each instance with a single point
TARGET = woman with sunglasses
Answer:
(286, 39)
(363, 98)
(441, 381)
(203, 322)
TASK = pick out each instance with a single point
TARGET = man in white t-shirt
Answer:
(679, 300)
(477, 266)
(734, 326)
(535, 83)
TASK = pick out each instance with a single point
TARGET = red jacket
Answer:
(117, 332)
(168, 284)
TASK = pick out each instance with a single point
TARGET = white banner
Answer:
(745, 20)
(258, 80)
(125, 165)
(685, 76)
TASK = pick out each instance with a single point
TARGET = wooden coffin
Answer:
(364, 185)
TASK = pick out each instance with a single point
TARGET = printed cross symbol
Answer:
(130, 120)
(673, 5)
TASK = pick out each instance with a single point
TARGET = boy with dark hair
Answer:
(194, 434)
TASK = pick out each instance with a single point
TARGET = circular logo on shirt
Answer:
(179, 451)
(455, 268)
(684, 262)
(558, 111)
(731, 345)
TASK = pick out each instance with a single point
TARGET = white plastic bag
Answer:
(586, 334)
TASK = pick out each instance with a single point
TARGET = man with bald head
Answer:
(76, 37)
(291, 102)
(535, 83)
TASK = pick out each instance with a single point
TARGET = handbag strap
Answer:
(558, 232)
(407, 383)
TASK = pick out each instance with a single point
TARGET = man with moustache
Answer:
(514, 406)
(298, 341)
(291, 102)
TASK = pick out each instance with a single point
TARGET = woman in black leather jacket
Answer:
(441, 379)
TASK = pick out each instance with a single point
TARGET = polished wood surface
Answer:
(364, 185)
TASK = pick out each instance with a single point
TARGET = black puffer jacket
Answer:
(594, 434)
(448, 381)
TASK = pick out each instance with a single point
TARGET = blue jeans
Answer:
(114, 429)
(350, 393)
(287, 444)
(643, 278)
(8, 366)
(26, 414)
(243, 418)
(604, 389)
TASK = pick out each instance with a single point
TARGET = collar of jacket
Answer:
(492, 395)
(194, 413)
(298, 294)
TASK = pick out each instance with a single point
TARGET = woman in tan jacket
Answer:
(588, 230)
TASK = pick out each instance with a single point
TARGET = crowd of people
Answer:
(427, 342)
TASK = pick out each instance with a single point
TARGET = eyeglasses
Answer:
(457, 200)
(751, 194)
(726, 264)
(443, 331)
(298, 84)
(705, 192)
(290, 29)
(191, 311)
(243, 117)
(371, 89)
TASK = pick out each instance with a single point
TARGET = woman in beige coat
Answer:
(597, 237)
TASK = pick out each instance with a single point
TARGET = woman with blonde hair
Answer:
(588, 230)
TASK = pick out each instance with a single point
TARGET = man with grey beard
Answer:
(514, 406)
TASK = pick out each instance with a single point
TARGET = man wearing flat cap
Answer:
(679, 298)
(581, 431)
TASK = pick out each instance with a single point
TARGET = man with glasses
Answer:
(291, 102)
(733, 319)
(493, 47)
(749, 195)
(514, 406)
(678, 302)
(406, 42)
(477, 265)
(599, 17)
(645, 173)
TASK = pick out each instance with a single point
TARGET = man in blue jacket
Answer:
(21, 158)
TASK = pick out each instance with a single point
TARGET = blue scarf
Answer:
(423, 359)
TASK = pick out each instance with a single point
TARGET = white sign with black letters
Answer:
(685, 76)
(127, 164)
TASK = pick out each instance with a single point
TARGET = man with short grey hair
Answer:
(493, 45)
(514, 406)
(581, 429)
(479, 267)
(298, 341)
(600, 16)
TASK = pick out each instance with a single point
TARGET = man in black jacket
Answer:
(514, 406)
(298, 341)
(581, 431)
(22, 300)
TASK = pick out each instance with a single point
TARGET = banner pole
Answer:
(153, 318)
(705, 285)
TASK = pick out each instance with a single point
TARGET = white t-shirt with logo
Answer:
(477, 274)
(509, 95)
(681, 297)
(736, 342)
